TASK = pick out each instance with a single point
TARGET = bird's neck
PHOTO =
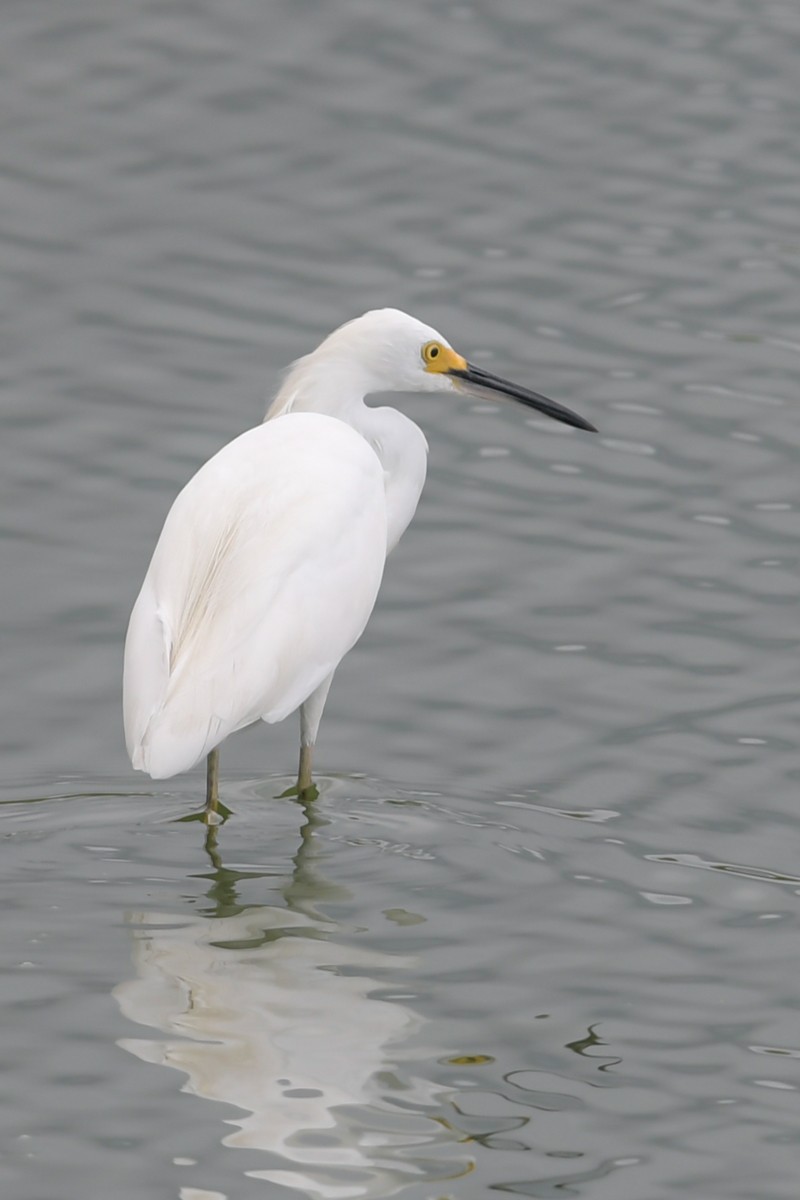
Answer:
(403, 451)
(398, 442)
(331, 387)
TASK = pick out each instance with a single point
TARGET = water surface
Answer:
(539, 935)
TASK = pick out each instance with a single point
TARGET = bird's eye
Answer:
(431, 351)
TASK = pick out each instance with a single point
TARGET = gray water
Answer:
(538, 935)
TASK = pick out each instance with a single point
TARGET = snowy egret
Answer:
(270, 559)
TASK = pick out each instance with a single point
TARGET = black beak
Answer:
(476, 377)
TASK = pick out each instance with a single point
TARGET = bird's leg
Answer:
(212, 782)
(310, 717)
(304, 781)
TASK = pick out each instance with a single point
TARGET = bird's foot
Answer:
(296, 792)
(212, 818)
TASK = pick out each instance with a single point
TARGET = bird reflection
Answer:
(270, 1012)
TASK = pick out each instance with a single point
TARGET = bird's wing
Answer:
(264, 576)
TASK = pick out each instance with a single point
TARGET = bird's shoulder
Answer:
(283, 486)
(297, 430)
(296, 455)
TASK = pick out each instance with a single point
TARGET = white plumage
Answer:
(270, 559)
(264, 576)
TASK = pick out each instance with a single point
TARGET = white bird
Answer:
(270, 559)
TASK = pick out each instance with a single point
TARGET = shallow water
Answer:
(538, 935)
(393, 991)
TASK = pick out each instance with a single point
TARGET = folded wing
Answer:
(264, 576)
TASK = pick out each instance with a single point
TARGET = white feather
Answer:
(264, 576)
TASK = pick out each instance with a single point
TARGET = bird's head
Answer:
(397, 353)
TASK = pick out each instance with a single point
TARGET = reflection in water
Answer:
(274, 1015)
